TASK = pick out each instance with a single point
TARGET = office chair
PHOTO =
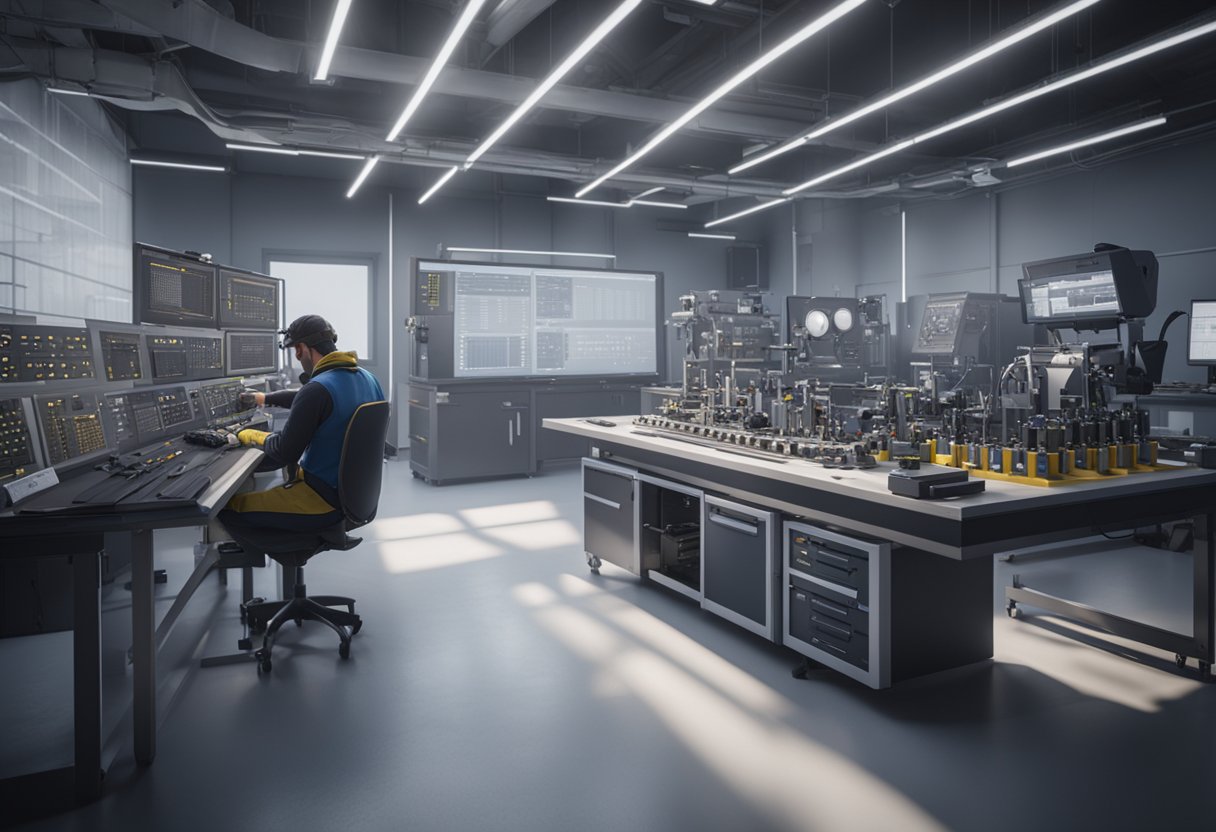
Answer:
(360, 473)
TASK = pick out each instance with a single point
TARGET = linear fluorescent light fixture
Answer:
(524, 251)
(572, 60)
(341, 9)
(600, 202)
(1101, 137)
(753, 209)
(1124, 59)
(431, 191)
(709, 236)
(291, 151)
(371, 162)
(654, 203)
(735, 80)
(462, 24)
(157, 163)
(645, 194)
(66, 91)
(996, 47)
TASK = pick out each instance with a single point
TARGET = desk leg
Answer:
(143, 642)
(86, 670)
(1204, 605)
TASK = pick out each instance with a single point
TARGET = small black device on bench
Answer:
(932, 482)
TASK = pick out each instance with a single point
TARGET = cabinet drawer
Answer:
(807, 599)
(613, 488)
(836, 563)
(829, 625)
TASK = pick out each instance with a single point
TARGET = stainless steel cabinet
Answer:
(739, 571)
(610, 516)
(464, 434)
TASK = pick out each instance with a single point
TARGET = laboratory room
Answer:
(607, 415)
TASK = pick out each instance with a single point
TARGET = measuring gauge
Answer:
(817, 323)
(843, 319)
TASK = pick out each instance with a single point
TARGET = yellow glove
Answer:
(252, 437)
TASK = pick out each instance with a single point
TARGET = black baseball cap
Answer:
(309, 330)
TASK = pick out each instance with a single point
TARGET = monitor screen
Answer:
(1201, 344)
(71, 426)
(545, 321)
(1075, 297)
(177, 357)
(248, 300)
(173, 289)
(250, 353)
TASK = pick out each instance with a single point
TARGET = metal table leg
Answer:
(143, 641)
(86, 670)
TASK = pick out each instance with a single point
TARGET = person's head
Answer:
(312, 337)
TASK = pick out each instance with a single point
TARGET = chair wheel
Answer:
(299, 622)
(356, 627)
(263, 658)
(344, 649)
(1180, 660)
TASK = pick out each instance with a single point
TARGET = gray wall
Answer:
(245, 219)
(65, 206)
(1163, 201)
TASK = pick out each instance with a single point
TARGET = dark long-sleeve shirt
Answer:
(310, 406)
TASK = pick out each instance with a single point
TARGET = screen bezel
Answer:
(278, 283)
(142, 315)
(660, 330)
(230, 371)
(1190, 324)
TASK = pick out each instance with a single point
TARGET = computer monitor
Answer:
(173, 289)
(1201, 337)
(250, 353)
(1094, 291)
(248, 300)
(177, 356)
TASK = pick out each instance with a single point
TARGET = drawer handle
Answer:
(847, 570)
(827, 554)
(831, 608)
(843, 590)
(821, 644)
(831, 629)
(737, 525)
(603, 501)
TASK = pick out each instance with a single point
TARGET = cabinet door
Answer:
(738, 570)
(481, 434)
(610, 526)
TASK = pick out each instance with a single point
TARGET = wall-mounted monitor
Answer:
(185, 356)
(486, 320)
(250, 353)
(248, 300)
(173, 289)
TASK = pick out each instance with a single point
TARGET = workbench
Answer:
(906, 582)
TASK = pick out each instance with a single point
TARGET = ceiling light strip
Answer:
(601, 203)
(363, 174)
(735, 80)
(439, 184)
(156, 163)
(341, 9)
(263, 148)
(704, 236)
(462, 24)
(524, 251)
(1021, 98)
(645, 194)
(994, 48)
(572, 60)
(1101, 137)
(653, 203)
(760, 207)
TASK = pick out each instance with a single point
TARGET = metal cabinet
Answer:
(610, 515)
(670, 515)
(465, 434)
(739, 572)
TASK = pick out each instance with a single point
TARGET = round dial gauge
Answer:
(843, 319)
(817, 323)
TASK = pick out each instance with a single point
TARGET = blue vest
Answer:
(348, 388)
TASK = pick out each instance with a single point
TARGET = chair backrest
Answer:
(361, 469)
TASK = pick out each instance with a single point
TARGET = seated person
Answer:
(335, 386)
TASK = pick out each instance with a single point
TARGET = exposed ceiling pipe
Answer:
(196, 23)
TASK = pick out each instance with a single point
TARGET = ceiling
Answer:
(242, 70)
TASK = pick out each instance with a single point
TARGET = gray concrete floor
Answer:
(498, 685)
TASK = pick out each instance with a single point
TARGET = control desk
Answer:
(44, 353)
